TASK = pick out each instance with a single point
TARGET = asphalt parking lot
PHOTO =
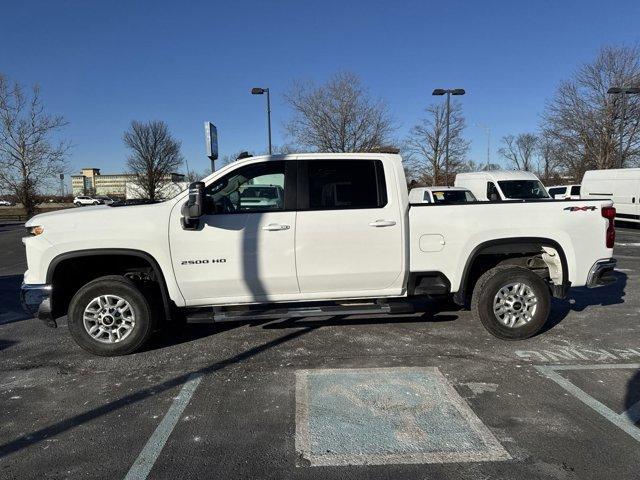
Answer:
(417, 396)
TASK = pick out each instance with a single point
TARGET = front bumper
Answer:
(36, 301)
(600, 273)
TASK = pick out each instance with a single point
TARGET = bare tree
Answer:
(30, 158)
(425, 146)
(520, 150)
(549, 159)
(471, 166)
(155, 154)
(196, 176)
(338, 116)
(583, 120)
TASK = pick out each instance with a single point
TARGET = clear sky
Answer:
(102, 64)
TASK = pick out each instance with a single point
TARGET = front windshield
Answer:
(453, 196)
(523, 189)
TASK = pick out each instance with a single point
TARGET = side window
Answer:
(575, 190)
(492, 192)
(343, 184)
(555, 191)
(254, 188)
(427, 197)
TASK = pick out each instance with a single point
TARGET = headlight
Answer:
(36, 230)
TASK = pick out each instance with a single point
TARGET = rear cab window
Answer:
(556, 191)
(523, 189)
(453, 196)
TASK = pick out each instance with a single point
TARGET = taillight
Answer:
(610, 214)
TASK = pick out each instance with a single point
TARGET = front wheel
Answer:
(110, 316)
(512, 302)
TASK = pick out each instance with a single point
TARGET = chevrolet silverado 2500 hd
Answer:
(306, 230)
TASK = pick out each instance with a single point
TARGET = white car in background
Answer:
(83, 200)
(6, 203)
(500, 185)
(448, 195)
(564, 192)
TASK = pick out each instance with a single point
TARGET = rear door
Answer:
(348, 228)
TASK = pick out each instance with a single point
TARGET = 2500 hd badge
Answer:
(204, 261)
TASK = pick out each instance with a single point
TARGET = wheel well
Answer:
(544, 257)
(69, 273)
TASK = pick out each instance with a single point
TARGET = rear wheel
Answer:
(511, 302)
(110, 316)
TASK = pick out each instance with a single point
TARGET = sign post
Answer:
(211, 139)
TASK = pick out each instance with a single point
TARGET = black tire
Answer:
(125, 289)
(488, 286)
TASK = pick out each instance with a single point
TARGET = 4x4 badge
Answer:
(579, 209)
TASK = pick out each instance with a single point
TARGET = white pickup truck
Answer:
(335, 233)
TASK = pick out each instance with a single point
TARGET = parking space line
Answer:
(624, 421)
(147, 458)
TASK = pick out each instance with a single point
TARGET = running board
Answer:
(231, 314)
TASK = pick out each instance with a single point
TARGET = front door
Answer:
(244, 248)
(349, 239)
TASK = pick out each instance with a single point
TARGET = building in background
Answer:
(91, 182)
(168, 190)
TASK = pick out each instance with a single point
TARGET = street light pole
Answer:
(269, 118)
(448, 92)
(624, 112)
(261, 91)
(446, 147)
(623, 92)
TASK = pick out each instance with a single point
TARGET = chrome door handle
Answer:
(272, 227)
(382, 223)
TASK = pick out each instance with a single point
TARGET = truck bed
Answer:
(444, 237)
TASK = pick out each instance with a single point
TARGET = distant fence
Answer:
(16, 217)
(18, 214)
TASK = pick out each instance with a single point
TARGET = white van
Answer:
(622, 185)
(498, 185)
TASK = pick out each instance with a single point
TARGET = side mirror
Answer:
(192, 210)
(494, 197)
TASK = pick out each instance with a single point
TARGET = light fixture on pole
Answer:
(623, 92)
(449, 92)
(261, 91)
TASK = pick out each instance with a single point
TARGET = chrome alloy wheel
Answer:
(109, 319)
(515, 305)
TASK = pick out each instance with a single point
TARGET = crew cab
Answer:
(342, 237)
